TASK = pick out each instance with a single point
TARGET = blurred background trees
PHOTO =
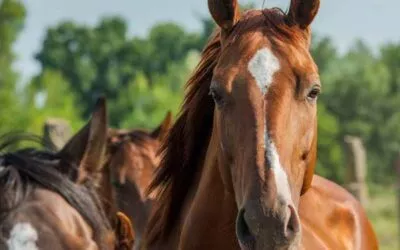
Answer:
(12, 16)
(143, 78)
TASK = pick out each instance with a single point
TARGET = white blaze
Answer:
(262, 67)
(23, 237)
(281, 180)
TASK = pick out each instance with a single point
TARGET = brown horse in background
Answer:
(50, 200)
(133, 158)
(238, 165)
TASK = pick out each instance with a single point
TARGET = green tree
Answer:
(356, 91)
(103, 60)
(148, 104)
(50, 96)
(330, 156)
(12, 17)
(171, 43)
(390, 56)
(87, 58)
(323, 52)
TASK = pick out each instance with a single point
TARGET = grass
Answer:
(382, 211)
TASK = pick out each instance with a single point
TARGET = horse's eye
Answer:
(216, 96)
(314, 93)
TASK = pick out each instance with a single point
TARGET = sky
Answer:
(375, 21)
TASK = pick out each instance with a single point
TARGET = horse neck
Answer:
(136, 176)
(106, 193)
(210, 219)
(131, 203)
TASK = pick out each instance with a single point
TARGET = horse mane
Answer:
(23, 170)
(184, 149)
(185, 145)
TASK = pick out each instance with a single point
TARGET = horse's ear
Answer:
(161, 131)
(124, 232)
(87, 148)
(303, 12)
(225, 13)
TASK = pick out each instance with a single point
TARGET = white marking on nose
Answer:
(262, 66)
(22, 237)
(281, 180)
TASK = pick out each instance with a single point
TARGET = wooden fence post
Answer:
(356, 168)
(56, 132)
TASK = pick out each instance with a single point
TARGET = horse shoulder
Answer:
(333, 218)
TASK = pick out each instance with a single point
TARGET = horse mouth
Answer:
(272, 238)
(245, 246)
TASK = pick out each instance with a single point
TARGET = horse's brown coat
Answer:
(215, 170)
(342, 223)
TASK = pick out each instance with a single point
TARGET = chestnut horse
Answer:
(132, 159)
(238, 160)
(50, 200)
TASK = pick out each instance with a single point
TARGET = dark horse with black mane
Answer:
(51, 200)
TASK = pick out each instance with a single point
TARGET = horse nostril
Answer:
(292, 225)
(242, 229)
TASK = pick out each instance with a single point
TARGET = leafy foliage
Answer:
(12, 16)
(360, 95)
(103, 60)
(49, 95)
